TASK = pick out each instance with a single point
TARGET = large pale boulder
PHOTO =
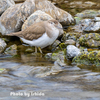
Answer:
(62, 16)
(4, 4)
(13, 18)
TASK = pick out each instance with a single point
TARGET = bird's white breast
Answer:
(44, 40)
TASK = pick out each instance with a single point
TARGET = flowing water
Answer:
(33, 77)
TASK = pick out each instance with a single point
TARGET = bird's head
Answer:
(57, 25)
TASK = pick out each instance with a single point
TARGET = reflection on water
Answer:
(36, 74)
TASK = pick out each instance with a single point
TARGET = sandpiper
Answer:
(41, 34)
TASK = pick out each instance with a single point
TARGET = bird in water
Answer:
(41, 34)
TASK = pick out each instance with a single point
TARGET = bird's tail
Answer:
(15, 34)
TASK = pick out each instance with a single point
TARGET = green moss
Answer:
(92, 56)
(88, 58)
(98, 56)
(62, 45)
(90, 40)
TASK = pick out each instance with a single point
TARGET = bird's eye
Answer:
(52, 22)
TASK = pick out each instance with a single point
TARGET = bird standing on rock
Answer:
(41, 34)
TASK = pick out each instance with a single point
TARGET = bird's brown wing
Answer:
(32, 32)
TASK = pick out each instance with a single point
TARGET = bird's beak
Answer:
(59, 27)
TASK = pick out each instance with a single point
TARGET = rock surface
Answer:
(2, 45)
(88, 14)
(5, 4)
(72, 51)
(62, 16)
(88, 25)
(70, 42)
(88, 58)
(13, 18)
(90, 40)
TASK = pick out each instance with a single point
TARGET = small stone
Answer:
(70, 42)
(72, 51)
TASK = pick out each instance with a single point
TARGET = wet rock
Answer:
(54, 46)
(82, 25)
(82, 4)
(72, 51)
(88, 13)
(71, 36)
(94, 26)
(88, 58)
(37, 16)
(88, 25)
(90, 40)
(13, 18)
(70, 42)
(62, 16)
(59, 58)
(12, 50)
(5, 4)
(2, 45)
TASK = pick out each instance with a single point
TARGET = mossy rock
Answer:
(88, 58)
(90, 40)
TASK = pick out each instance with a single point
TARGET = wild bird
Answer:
(41, 34)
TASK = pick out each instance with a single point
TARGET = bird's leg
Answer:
(35, 49)
(40, 50)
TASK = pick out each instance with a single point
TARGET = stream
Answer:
(33, 77)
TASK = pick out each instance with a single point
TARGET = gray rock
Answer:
(90, 40)
(2, 45)
(13, 18)
(72, 51)
(5, 4)
(88, 25)
(88, 13)
(93, 27)
(97, 19)
(62, 16)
